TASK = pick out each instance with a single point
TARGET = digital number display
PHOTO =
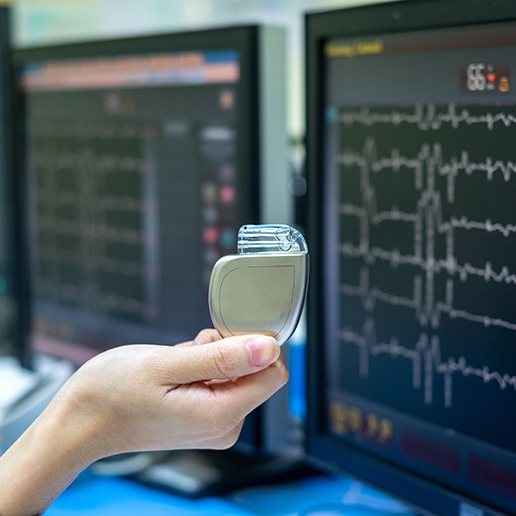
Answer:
(485, 78)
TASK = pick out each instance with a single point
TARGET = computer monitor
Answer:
(9, 330)
(411, 178)
(141, 158)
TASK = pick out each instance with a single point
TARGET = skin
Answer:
(135, 398)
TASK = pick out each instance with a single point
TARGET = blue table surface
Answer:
(315, 496)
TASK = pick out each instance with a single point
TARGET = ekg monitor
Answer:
(412, 327)
(141, 158)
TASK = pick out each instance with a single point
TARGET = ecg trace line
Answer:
(102, 301)
(93, 130)
(425, 313)
(377, 217)
(430, 157)
(106, 203)
(395, 258)
(89, 160)
(426, 361)
(426, 117)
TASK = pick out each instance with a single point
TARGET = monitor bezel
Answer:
(10, 207)
(387, 18)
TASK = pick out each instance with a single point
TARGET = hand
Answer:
(191, 395)
(140, 397)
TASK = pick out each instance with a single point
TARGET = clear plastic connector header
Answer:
(270, 239)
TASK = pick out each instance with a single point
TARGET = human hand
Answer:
(192, 395)
(140, 397)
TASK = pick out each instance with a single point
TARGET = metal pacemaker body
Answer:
(262, 289)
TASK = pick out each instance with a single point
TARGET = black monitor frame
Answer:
(323, 449)
(8, 219)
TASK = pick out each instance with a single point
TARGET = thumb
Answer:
(226, 358)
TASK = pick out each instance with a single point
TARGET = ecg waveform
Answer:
(90, 217)
(426, 360)
(429, 117)
(429, 158)
(448, 157)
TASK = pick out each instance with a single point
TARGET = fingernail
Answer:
(263, 351)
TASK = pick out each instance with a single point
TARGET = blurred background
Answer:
(38, 22)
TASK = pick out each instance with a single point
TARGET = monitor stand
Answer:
(197, 473)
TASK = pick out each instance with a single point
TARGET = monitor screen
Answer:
(141, 160)
(411, 167)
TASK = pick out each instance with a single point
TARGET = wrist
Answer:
(48, 456)
(71, 429)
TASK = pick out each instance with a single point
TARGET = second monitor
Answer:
(140, 160)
